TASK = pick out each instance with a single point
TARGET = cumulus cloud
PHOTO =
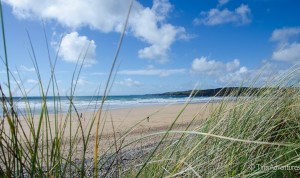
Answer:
(236, 76)
(161, 8)
(285, 34)
(288, 48)
(101, 14)
(146, 23)
(225, 72)
(130, 83)
(232, 65)
(203, 65)
(289, 52)
(215, 16)
(153, 72)
(74, 47)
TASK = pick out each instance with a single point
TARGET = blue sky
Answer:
(168, 45)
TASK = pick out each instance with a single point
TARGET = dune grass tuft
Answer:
(253, 136)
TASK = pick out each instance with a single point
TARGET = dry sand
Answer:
(153, 117)
(120, 120)
(141, 118)
(116, 123)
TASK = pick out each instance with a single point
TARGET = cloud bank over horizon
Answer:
(225, 72)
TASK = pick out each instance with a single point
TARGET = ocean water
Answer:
(90, 103)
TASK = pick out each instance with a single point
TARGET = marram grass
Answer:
(256, 136)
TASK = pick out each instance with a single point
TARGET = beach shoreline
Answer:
(139, 120)
(119, 127)
(158, 114)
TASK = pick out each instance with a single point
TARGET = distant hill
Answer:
(228, 91)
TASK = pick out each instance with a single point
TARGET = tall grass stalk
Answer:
(106, 91)
(12, 119)
(245, 137)
(47, 150)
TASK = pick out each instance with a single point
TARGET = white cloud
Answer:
(224, 72)
(153, 72)
(236, 76)
(284, 34)
(203, 65)
(130, 83)
(230, 66)
(101, 14)
(74, 46)
(288, 48)
(27, 69)
(149, 71)
(222, 2)
(161, 8)
(290, 52)
(215, 16)
(147, 24)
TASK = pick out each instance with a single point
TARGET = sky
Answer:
(168, 45)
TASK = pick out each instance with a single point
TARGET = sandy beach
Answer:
(135, 121)
(138, 119)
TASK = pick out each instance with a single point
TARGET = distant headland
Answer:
(227, 91)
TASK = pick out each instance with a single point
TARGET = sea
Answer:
(92, 103)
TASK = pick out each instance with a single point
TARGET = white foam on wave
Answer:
(87, 104)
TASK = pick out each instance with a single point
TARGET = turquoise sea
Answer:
(90, 103)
